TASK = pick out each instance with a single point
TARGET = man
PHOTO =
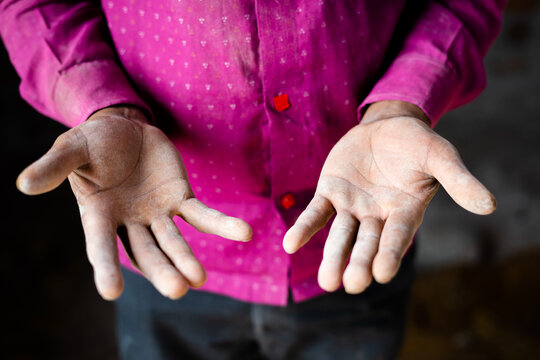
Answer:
(263, 101)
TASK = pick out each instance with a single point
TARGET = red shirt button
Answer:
(281, 102)
(287, 201)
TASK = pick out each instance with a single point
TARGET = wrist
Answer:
(388, 109)
(129, 112)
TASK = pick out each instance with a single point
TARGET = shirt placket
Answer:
(282, 89)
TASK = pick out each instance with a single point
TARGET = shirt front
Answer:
(254, 94)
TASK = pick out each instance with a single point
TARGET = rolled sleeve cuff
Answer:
(87, 87)
(429, 84)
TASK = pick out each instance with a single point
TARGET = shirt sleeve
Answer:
(62, 53)
(438, 66)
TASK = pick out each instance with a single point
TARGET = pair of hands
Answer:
(379, 179)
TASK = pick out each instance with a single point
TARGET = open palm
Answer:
(379, 179)
(126, 173)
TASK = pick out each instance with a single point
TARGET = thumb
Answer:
(68, 152)
(446, 166)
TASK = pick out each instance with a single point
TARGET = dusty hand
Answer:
(379, 179)
(125, 172)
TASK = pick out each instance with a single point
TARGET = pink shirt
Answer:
(210, 70)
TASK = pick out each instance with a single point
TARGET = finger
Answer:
(357, 276)
(446, 166)
(153, 264)
(176, 248)
(100, 235)
(311, 220)
(211, 221)
(67, 154)
(397, 234)
(337, 250)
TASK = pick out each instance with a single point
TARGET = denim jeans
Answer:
(208, 326)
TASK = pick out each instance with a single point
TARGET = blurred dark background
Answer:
(477, 294)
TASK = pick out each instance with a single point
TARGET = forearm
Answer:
(439, 70)
(61, 51)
